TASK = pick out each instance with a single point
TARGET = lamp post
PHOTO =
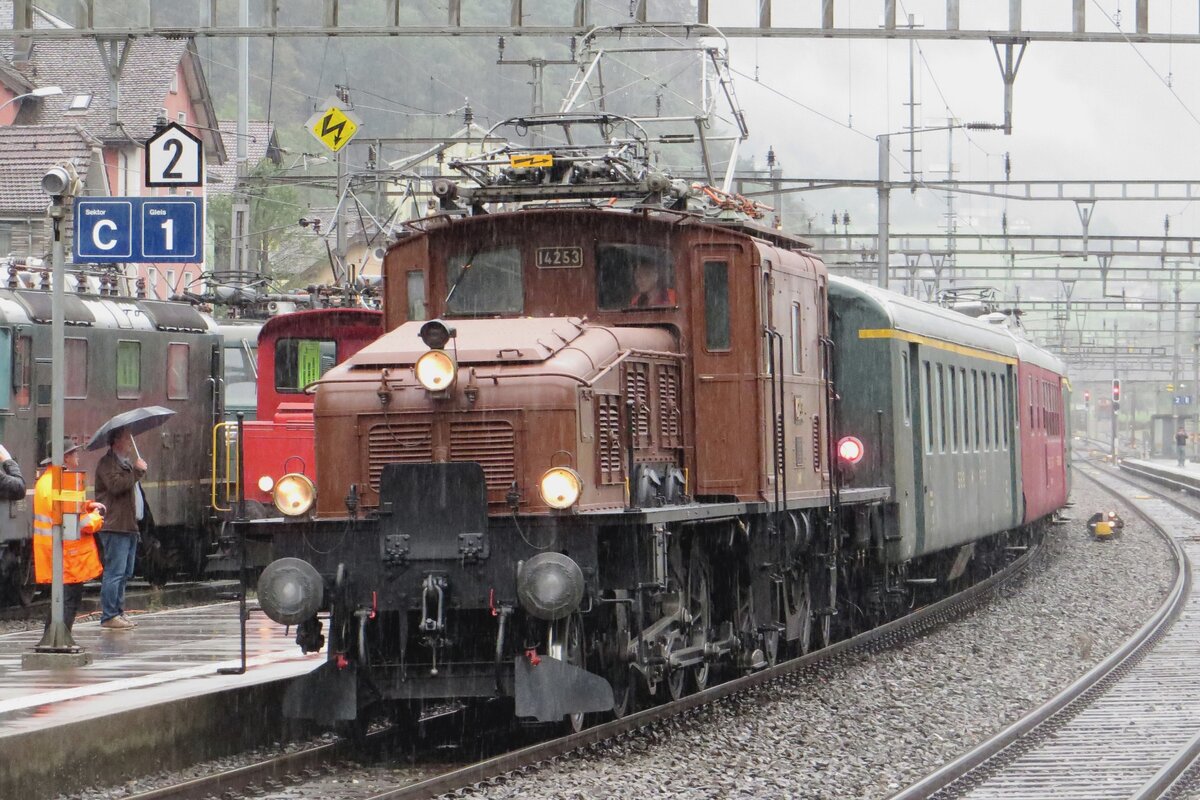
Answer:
(41, 91)
(57, 648)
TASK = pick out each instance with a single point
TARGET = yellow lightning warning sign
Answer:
(530, 160)
(333, 127)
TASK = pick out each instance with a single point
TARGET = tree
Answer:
(278, 248)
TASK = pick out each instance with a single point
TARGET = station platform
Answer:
(151, 699)
(1168, 470)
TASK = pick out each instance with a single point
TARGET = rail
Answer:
(993, 756)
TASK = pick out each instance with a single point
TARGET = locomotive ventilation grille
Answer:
(670, 424)
(409, 442)
(491, 443)
(608, 438)
(637, 389)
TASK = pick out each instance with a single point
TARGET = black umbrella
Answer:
(138, 420)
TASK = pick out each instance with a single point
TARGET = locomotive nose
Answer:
(550, 586)
(290, 591)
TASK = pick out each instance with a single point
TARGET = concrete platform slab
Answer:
(151, 699)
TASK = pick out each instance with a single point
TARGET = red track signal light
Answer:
(1116, 390)
(850, 450)
(1087, 397)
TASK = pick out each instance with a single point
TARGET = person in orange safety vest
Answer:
(81, 559)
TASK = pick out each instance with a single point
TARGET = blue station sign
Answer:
(117, 230)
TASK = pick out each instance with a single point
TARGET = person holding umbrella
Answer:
(117, 477)
(117, 487)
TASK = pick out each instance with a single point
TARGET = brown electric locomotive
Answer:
(589, 460)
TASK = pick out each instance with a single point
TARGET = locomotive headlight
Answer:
(266, 483)
(550, 585)
(436, 370)
(294, 494)
(560, 487)
(290, 591)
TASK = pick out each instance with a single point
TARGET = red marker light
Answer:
(850, 449)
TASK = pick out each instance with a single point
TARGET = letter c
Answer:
(104, 244)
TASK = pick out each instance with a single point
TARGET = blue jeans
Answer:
(120, 550)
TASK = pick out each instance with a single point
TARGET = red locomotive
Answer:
(294, 350)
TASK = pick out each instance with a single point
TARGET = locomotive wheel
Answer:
(674, 685)
(764, 646)
(700, 604)
(799, 611)
(614, 645)
(569, 646)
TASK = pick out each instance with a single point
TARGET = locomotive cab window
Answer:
(637, 276)
(299, 362)
(129, 369)
(76, 369)
(485, 282)
(716, 305)
(177, 372)
(415, 284)
(23, 371)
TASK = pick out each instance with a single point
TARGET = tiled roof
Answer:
(27, 151)
(76, 66)
(221, 177)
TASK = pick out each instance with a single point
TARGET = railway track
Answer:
(310, 764)
(1129, 728)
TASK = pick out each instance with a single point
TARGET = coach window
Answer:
(797, 341)
(7, 366)
(1006, 412)
(485, 282)
(975, 410)
(953, 410)
(76, 370)
(995, 412)
(177, 372)
(716, 305)
(942, 411)
(987, 412)
(23, 370)
(415, 284)
(634, 276)
(927, 404)
(299, 362)
(966, 409)
(129, 369)
(906, 388)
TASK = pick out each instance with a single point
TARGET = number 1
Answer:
(168, 227)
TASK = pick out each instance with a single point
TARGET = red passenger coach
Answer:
(293, 351)
(1042, 405)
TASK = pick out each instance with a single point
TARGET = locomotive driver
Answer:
(650, 287)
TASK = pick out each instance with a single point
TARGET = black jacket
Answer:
(12, 482)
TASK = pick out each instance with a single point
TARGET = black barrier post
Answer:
(239, 518)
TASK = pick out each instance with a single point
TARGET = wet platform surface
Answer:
(1190, 471)
(171, 655)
